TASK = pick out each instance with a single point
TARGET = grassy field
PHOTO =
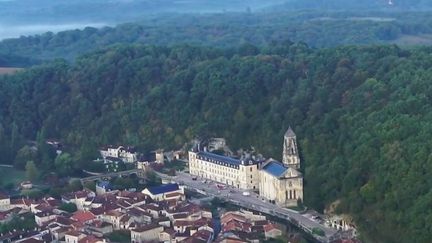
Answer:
(8, 70)
(11, 175)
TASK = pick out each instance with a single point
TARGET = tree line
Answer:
(228, 30)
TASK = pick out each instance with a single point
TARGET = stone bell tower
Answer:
(290, 152)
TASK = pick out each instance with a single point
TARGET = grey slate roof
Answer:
(215, 158)
(274, 168)
(290, 133)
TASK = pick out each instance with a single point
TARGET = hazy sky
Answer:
(29, 17)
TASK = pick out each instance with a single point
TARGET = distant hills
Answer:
(316, 28)
(392, 5)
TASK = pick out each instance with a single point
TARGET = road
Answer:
(252, 201)
(111, 175)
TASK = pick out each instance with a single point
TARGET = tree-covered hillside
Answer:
(389, 5)
(315, 28)
(362, 115)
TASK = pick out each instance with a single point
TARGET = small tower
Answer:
(290, 152)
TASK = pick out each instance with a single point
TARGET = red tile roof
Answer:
(83, 216)
(269, 227)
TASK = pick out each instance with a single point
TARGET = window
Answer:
(251, 169)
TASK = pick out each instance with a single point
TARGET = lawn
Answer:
(11, 175)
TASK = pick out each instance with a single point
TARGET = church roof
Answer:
(289, 133)
(274, 168)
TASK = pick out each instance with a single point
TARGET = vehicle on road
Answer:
(194, 178)
(220, 187)
(246, 193)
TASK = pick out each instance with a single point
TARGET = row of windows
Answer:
(224, 166)
(215, 166)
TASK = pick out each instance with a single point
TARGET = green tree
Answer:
(32, 173)
(24, 155)
(68, 207)
(64, 164)
(75, 185)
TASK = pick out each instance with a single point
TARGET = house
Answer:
(99, 228)
(146, 233)
(126, 153)
(160, 193)
(271, 231)
(113, 217)
(167, 236)
(21, 203)
(83, 217)
(26, 185)
(139, 215)
(4, 202)
(43, 217)
(60, 232)
(78, 198)
(74, 236)
(201, 236)
(153, 209)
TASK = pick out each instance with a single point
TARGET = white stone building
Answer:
(241, 173)
(4, 202)
(127, 154)
(280, 183)
(148, 233)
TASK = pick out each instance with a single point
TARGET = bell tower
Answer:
(290, 156)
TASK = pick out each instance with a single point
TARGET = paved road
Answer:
(252, 201)
(110, 175)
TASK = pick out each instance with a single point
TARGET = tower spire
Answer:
(290, 132)
(290, 156)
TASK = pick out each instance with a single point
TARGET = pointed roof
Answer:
(290, 132)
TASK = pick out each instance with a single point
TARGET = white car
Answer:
(246, 193)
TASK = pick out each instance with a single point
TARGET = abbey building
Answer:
(277, 182)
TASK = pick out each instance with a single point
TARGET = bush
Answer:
(318, 231)
(68, 207)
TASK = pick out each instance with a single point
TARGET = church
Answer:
(280, 183)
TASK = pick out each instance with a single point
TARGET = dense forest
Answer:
(362, 116)
(315, 28)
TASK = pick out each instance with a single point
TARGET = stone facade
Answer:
(126, 154)
(290, 151)
(280, 183)
(241, 173)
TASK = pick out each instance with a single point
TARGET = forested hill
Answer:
(362, 115)
(389, 5)
(315, 28)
